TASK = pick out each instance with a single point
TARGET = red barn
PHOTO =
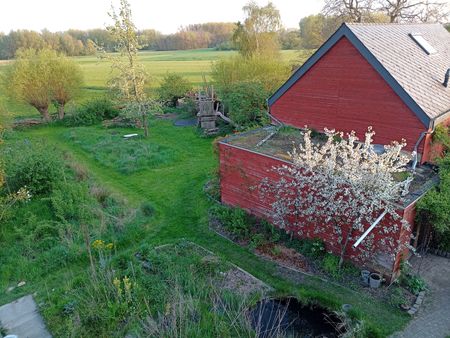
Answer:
(393, 77)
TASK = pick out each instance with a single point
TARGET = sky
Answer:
(163, 15)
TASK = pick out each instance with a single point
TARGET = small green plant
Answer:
(272, 234)
(414, 283)
(257, 240)
(397, 297)
(276, 251)
(235, 220)
(147, 209)
(330, 264)
(411, 281)
(239, 223)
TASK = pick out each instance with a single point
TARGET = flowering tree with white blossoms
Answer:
(340, 186)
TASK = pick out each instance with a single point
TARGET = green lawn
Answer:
(175, 188)
(192, 64)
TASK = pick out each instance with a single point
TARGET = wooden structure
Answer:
(206, 113)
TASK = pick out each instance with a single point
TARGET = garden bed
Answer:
(298, 257)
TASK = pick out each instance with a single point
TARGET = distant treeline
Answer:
(85, 42)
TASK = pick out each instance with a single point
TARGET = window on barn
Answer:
(423, 43)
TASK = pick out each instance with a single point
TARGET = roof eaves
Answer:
(344, 30)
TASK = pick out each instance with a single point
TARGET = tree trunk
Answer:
(61, 111)
(344, 247)
(145, 123)
(44, 113)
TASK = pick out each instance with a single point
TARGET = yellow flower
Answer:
(98, 244)
(109, 246)
(116, 283)
(127, 284)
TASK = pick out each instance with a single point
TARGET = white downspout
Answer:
(367, 232)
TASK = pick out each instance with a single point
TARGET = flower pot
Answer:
(346, 307)
(365, 277)
(375, 280)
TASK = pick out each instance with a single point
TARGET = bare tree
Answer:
(349, 10)
(414, 11)
(393, 10)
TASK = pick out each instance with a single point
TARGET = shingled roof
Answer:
(415, 75)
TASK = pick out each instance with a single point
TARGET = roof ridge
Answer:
(393, 24)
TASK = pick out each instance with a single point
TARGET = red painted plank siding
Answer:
(344, 92)
(241, 172)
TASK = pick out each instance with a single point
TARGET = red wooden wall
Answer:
(343, 91)
(241, 172)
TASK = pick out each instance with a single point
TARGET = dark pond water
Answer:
(288, 317)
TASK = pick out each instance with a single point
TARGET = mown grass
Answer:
(175, 189)
(126, 156)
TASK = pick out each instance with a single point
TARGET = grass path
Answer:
(181, 212)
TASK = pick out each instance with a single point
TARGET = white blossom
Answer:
(340, 187)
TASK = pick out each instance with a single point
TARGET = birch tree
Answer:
(340, 187)
(258, 34)
(130, 78)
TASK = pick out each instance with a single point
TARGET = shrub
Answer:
(314, 248)
(246, 103)
(257, 240)
(408, 279)
(173, 87)
(433, 208)
(269, 72)
(413, 283)
(330, 264)
(235, 220)
(71, 201)
(92, 112)
(36, 166)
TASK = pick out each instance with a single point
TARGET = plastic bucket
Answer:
(365, 277)
(375, 280)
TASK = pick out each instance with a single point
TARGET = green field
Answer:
(193, 64)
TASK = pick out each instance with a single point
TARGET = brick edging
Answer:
(441, 253)
(419, 300)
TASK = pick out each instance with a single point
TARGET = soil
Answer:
(283, 255)
(244, 284)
